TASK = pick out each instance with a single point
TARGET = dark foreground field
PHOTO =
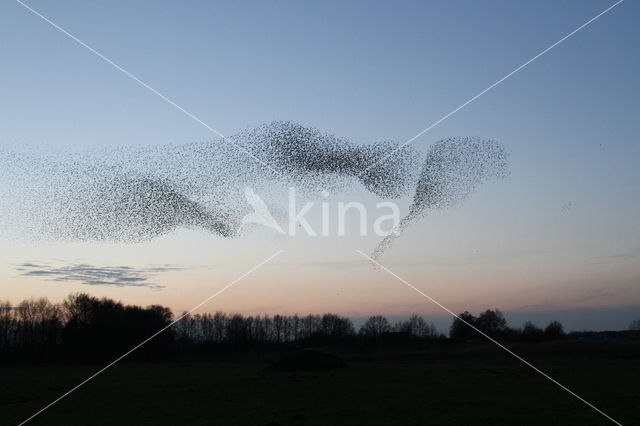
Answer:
(490, 391)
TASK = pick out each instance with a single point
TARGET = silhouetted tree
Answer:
(492, 323)
(309, 325)
(7, 326)
(554, 330)
(237, 330)
(295, 327)
(418, 327)
(279, 328)
(84, 328)
(375, 326)
(635, 325)
(335, 326)
(532, 332)
(460, 329)
(99, 329)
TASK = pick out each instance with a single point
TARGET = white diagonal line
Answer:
(490, 87)
(145, 85)
(152, 336)
(491, 339)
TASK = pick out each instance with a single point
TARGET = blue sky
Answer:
(562, 228)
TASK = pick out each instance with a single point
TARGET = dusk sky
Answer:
(559, 238)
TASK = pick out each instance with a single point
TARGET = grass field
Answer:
(494, 391)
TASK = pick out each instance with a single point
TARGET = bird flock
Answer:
(135, 194)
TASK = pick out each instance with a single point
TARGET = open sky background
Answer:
(560, 238)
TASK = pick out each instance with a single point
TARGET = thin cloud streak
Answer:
(118, 276)
(617, 257)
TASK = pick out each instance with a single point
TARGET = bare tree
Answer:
(554, 330)
(418, 327)
(375, 326)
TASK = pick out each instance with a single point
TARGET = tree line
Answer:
(85, 328)
(493, 323)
